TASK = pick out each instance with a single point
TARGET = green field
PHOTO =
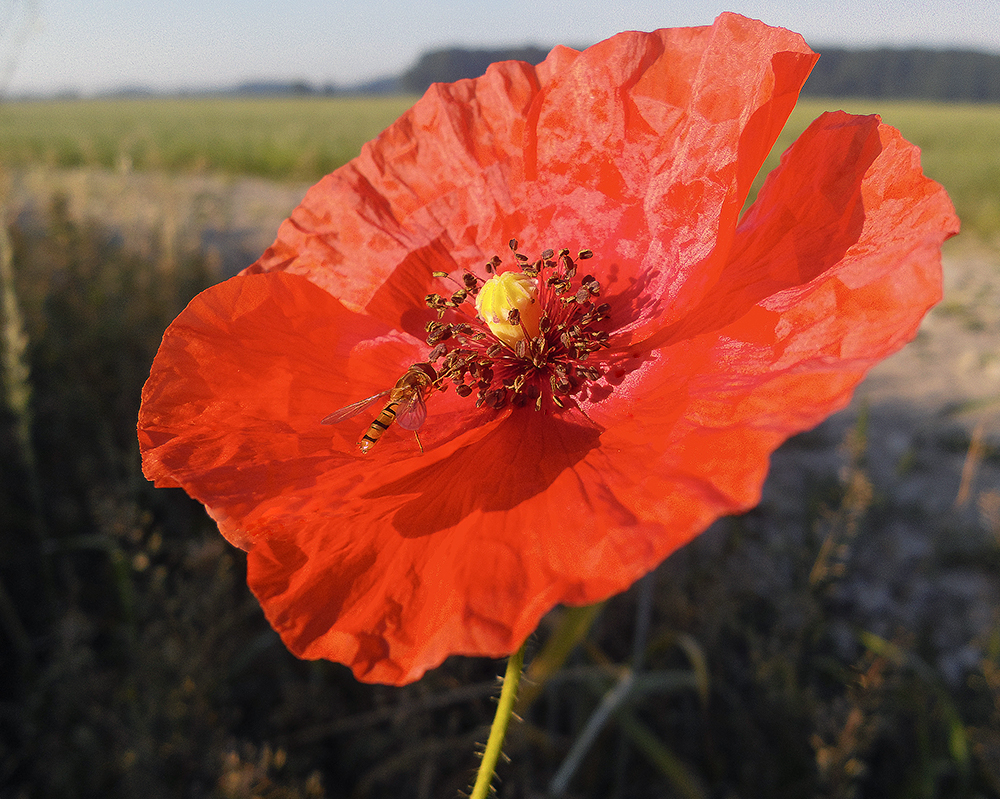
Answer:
(303, 138)
(295, 138)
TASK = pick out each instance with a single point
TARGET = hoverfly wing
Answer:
(353, 409)
(411, 412)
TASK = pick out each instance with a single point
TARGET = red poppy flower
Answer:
(644, 394)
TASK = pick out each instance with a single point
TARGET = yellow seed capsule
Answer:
(503, 293)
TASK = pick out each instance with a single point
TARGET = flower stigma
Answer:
(528, 343)
(503, 294)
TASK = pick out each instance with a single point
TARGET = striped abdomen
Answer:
(378, 426)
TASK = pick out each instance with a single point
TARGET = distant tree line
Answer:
(911, 74)
(455, 63)
(955, 75)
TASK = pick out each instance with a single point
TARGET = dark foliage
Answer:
(945, 75)
(456, 63)
(952, 75)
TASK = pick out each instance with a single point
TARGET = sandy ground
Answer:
(933, 432)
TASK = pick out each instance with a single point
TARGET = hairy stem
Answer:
(505, 709)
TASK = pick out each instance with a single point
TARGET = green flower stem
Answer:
(505, 709)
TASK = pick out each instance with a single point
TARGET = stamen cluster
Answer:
(549, 366)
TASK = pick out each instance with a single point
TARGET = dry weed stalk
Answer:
(973, 458)
(16, 389)
(844, 523)
(15, 370)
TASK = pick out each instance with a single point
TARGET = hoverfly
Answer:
(405, 406)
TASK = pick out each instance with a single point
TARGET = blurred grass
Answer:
(294, 138)
(304, 138)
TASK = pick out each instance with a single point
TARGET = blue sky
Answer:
(96, 45)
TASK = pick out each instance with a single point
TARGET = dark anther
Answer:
(546, 254)
(583, 255)
(442, 333)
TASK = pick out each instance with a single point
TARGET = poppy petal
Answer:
(677, 125)
(244, 376)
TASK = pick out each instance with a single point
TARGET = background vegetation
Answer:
(285, 138)
(303, 138)
(906, 74)
(135, 663)
(884, 73)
